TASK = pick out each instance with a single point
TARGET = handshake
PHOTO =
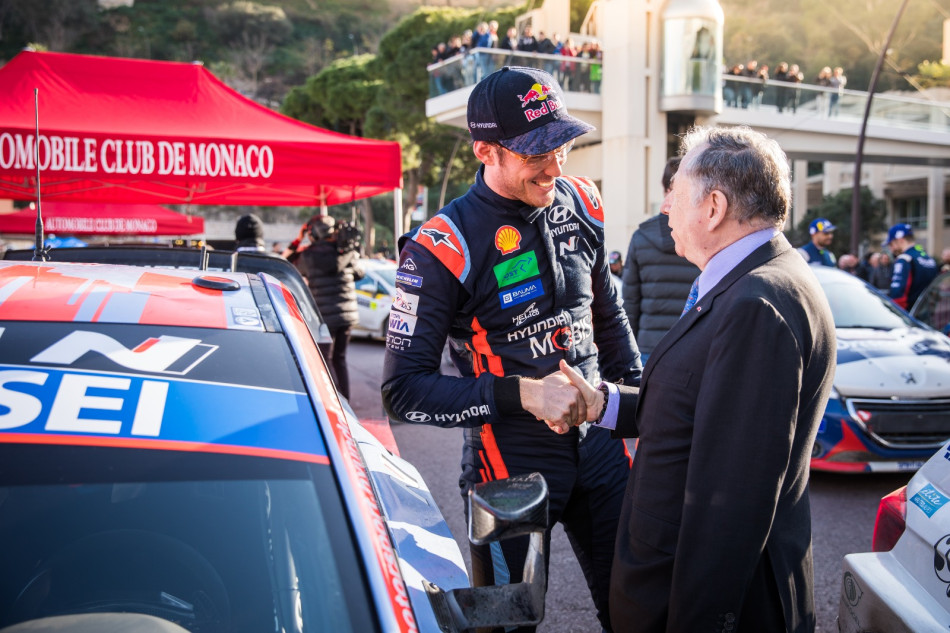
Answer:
(562, 399)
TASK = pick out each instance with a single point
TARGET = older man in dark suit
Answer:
(715, 533)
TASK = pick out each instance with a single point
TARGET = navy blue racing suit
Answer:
(914, 269)
(515, 289)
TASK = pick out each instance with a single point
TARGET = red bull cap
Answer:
(522, 109)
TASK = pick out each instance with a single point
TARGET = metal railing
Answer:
(575, 74)
(579, 74)
(847, 105)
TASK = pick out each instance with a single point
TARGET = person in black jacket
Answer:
(656, 281)
(330, 264)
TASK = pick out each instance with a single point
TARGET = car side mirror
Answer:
(499, 510)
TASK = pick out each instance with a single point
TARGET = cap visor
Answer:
(548, 137)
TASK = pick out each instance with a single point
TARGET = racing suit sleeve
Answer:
(618, 355)
(900, 281)
(413, 389)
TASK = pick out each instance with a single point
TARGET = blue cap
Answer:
(523, 110)
(614, 257)
(820, 224)
(898, 231)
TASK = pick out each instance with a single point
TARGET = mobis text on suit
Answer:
(715, 531)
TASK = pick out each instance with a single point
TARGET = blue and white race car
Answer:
(173, 449)
(890, 407)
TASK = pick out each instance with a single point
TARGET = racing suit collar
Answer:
(505, 206)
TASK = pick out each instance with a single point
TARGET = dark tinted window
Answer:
(214, 543)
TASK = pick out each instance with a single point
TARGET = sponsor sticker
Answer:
(405, 301)
(402, 323)
(410, 280)
(398, 343)
(530, 312)
(507, 239)
(517, 269)
(438, 237)
(520, 294)
(409, 265)
(929, 500)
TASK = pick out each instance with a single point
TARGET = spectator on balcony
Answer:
(595, 68)
(436, 76)
(796, 76)
(750, 71)
(583, 70)
(528, 43)
(482, 39)
(568, 68)
(731, 89)
(510, 43)
(468, 60)
(823, 80)
(782, 93)
(837, 81)
(547, 46)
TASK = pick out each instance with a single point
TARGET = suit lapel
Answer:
(771, 249)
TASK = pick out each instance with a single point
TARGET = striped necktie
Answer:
(693, 296)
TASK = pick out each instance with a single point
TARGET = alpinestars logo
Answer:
(439, 237)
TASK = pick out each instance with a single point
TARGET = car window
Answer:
(171, 471)
(933, 307)
(388, 275)
(367, 284)
(855, 305)
(214, 543)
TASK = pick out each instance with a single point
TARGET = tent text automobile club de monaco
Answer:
(135, 157)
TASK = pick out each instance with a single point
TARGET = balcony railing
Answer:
(830, 103)
(575, 74)
(578, 74)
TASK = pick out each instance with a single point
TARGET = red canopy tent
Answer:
(77, 218)
(133, 131)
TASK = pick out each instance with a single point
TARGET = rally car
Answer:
(903, 585)
(890, 406)
(173, 451)
(374, 295)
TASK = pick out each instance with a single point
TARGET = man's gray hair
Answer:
(747, 166)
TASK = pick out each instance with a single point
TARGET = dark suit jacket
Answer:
(715, 532)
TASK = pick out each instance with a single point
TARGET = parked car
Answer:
(903, 585)
(172, 447)
(890, 406)
(933, 305)
(374, 294)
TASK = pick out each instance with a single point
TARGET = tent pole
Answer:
(397, 213)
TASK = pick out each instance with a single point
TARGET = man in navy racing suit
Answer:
(914, 269)
(515, 275)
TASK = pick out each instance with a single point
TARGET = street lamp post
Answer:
(859, 156)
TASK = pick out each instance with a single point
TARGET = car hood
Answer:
(907, 363)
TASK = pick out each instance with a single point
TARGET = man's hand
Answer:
(593, 397)
(554, 400)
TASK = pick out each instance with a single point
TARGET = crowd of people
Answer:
(746, 94)
(902, 268)
(474, 66)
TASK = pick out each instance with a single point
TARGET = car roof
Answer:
(70, 292)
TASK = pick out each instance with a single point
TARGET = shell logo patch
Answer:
(507, 239)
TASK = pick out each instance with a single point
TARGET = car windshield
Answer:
(214, 543)
(854, 304)
(169, 471)
(387, 274)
